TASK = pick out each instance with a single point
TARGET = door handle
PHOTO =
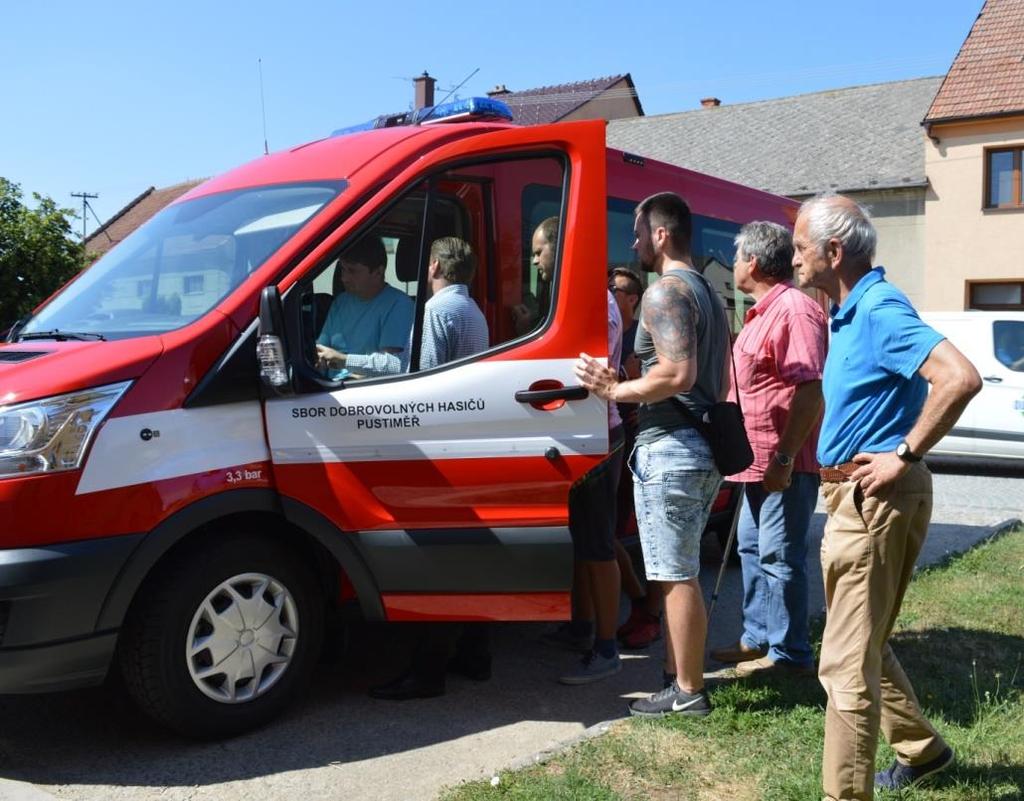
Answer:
(548, 395)
(994, 379)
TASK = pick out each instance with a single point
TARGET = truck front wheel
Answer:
(223, 637)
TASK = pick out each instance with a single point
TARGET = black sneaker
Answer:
(899, 776)
(671, 700)
(593, 667)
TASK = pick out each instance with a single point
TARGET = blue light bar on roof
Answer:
(472, 108)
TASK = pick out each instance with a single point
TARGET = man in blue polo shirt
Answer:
(880, 419)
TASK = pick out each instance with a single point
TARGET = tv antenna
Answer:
(453, 90)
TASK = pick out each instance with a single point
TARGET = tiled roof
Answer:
(552, 103)
(987, 76)
(857, 138)
(133, 215)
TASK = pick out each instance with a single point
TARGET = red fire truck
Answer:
(185, 497)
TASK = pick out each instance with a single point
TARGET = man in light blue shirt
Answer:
(453, 327)
(368, 325)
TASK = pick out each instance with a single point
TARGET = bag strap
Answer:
(734, 378)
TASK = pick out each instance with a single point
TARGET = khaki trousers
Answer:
(867, 558)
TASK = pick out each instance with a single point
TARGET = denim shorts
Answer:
(674, 484)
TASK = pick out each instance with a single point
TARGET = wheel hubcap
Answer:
(242, 638)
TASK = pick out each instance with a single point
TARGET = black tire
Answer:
(152, 645)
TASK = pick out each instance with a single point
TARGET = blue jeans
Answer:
(674, 484)
(772, 537)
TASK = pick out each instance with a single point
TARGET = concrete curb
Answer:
(11, 790)
(999, 529)
(540, 757)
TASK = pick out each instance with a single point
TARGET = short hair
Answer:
(456, 257)
(549, 227)
(669, 211)
(832, 216)
(771, 244)
(369, 251)
(635, 284)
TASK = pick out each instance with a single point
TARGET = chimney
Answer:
(499, 90)
(424, 90)
(710, 102)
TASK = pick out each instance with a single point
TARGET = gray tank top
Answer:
(658, 419)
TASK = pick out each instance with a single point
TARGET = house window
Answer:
(995, 295)
(1003, 178)
(193, 284)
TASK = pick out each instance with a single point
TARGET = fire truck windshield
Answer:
(180, 264)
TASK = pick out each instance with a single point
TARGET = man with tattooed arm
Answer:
(683, 348)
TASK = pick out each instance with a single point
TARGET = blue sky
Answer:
(114, 97)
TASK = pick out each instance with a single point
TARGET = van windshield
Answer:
(1009, 343)
(180, 264)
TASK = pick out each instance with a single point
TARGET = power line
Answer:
(99, 223)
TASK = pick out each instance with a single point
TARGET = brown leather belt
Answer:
(838, 472)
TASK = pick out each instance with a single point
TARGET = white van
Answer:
(993, 423)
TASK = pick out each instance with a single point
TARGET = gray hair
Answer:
(832, 216)
(771, 244)
(456, 258)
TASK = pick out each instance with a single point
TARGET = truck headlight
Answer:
(51, 434)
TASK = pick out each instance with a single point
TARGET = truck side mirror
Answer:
(272, 345)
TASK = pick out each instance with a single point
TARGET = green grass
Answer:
(960, 638)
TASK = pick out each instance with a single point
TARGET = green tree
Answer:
(37, 252)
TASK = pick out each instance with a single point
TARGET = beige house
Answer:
(974, 207)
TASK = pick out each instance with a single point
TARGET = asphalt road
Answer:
(339, 744)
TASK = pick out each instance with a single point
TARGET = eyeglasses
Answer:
(613, 289)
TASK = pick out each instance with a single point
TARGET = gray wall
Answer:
(899, 218)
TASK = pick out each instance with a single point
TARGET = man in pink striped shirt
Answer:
(780, 355)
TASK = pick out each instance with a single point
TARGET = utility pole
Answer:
(85, 207)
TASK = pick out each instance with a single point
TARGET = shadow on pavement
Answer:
(95, 737)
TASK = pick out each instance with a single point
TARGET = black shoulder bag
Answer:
(722, 425)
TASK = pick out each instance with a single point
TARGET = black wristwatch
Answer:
(907, 455)
(783, 460)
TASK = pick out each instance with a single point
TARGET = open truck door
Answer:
(451, 483)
